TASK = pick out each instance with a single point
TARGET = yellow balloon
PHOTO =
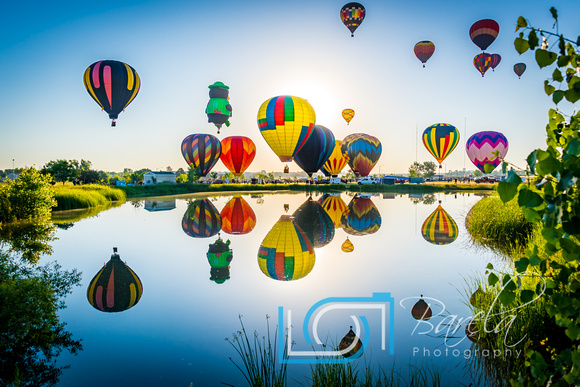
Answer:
(286, 253)
(347, 114)
(336, 161)
(286, 122)
(347, 246)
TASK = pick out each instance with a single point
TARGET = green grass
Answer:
(86, 196)
(501, 227)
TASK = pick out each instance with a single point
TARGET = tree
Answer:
(30, 195)
(555, 202)
(193, 175)
(61, 170)
(31, 335)
(427, 169)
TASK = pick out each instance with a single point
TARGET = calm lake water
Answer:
(175, 334)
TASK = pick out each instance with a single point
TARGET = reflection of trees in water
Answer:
(426, 199)
(31, 335)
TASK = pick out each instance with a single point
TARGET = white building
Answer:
(159, 177)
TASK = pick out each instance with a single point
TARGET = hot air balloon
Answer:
(219, 256)
(347, 114)
(482, 146)
(347, 140)
(421, 310)
(336, 162)
(237, 217)
(440, 140)
(439, 228)
(424, 50)
(315, 223)
(363, 153)
(286, 122)
(484, 32)
(316, 150)
(115, 288)
(201, 152)
(286, 254)
(113, 85)
(238, 152)
(361, 217)
(482, 62)
(519, 69)
(334, 206)
(495, 59)
(218, 108)
(352, 15)
(201, 220)
(348, 340)
(347, 246)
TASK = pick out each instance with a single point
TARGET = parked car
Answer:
(368, 180)
(486, 179)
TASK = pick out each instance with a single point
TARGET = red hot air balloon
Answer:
(113, 85)
(484, 32)
(237, 217)
(482, 62)
(115, 288)
(238, 152)
(495, 59)
(201, 152)
(423, 50)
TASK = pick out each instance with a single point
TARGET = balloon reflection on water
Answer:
(361, 217)
(315, 223)
(219, 256)
(201, 220)
(237, 217)
(439, 228)
(286, 253)
(334, 206)
(115, 288)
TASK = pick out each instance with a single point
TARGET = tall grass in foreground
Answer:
(502, 227)
(87, 196)
(259, 357)
(347, 375)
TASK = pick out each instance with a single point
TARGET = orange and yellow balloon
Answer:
(237, 217)
(238, 152)
(286, 122)
(337, 160)
(347, 114)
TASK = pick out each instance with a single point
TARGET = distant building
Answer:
(159, 205)
(159, 177)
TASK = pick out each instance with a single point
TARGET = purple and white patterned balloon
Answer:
(481, 148)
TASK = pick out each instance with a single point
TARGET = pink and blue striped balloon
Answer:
(481, 149)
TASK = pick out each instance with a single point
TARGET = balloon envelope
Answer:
(347, 246)
(319, 146)
(315, 223)
(361, 217)
(483, 32)
(363, 153)
(201, 220)
(115, 288)
(237, 217)
(495, 59)
(481, 148)
(424, 50)
(336, 162)
(440, 140)
(238, 152)
(286, 122)
(113, 85)
(219, 255)
(334, 206)
(352, 15)
(482, 62)
(201, 152)
(347, 114)
(286, 254)
(439, 228)
(519, 69)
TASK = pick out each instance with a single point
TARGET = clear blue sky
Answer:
(263, 49)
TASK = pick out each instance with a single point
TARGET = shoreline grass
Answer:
(86, 196)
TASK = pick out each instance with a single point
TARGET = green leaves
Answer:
(521, 44)
(522, 23)
(544, 57)
(508, 189)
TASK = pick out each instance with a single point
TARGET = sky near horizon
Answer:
(261, 50)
